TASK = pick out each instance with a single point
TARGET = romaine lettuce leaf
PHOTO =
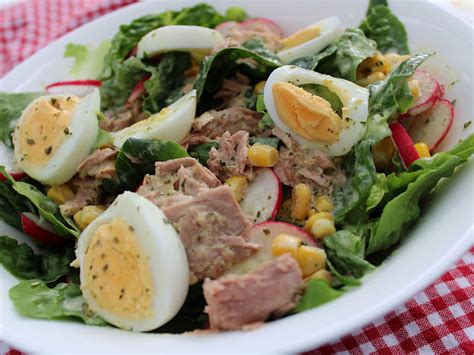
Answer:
(352, 49)
(317, 293)
(88, 60)
(201, 151)
(215, 68)
(12, 204)
(33, 298)
(47, 208)
(382, 26)
(311, 61)
(23, 263)
(138, 156)
(11, 106)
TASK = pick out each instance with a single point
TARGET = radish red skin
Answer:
(431, 92)
(137, 91)
(38, 233)
(404, 144)
(96, 83)
(15, 176)
(433, 126)
(74, 87)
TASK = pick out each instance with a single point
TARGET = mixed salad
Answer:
(209, 171)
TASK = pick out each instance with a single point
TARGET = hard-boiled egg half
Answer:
(309, 118)
(54, 134)
(172, 123)
(310, 40)
(195, 39)
(133, 267)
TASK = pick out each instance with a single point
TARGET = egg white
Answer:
(195, 39)
(331, 29)
(160, 242)
(173, 123)
(355, 100)
(62, 164)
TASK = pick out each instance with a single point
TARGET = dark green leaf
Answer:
(352, 49)
(11, 106)
(23, 263)
(138, 156)
(217, 67)
(271, 141)
(382, 26)
(33, 298)
(350, 200)
(326, 94)
(12, 204)
(165, 79)
(201, 151)
(47, 208)
(346, 252)
(317, 293)
(311, 61)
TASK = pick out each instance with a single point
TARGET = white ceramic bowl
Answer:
(442, 234)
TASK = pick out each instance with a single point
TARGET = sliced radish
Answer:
(263, 235)
(227, 28)
(253, 23)
(74, 87)
(138, 91)
(39, 230)
(430, 93)
(262, 199)
(404, 144)
(16, 176)
(432, 126)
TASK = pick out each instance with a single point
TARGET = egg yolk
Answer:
(44, 126)
(117, 274)
(309, 116)
(300, 37)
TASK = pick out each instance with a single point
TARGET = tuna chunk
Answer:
(236, 302)
(179, 176)
(234, 92)
(130, 114)
(100, 164)
(213, 230)
(212, 124)
(231, 157)
(88, 193)
(304, 165)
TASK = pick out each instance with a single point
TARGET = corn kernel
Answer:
(238, 185)
(371, 78)
(312, 211)
(310, 259)
(323, 204)
(317, 216)
(285, 243)
(393, 60)
(423, 150)
(258, 89)
(320, 275)
(87, 215)
(383, 152)
(60, 194)
(301, 200)
(263, 155)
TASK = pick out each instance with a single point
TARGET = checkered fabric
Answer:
(439, 319)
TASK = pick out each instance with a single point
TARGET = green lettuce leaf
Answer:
(12, 205)
(377, 192)
(33, 298)
(47, 208)
(215, 68)
(201, 151)
(165, 79)
(23, 263)
(88, 60)
(382, 26)
(11, 106)
(138, 156)
(352, 49)
(266, 121)
(311, 61)
(317, 293)
(389, 97)
(271, 141)
(350, 200)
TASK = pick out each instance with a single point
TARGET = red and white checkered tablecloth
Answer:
(439, 319)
